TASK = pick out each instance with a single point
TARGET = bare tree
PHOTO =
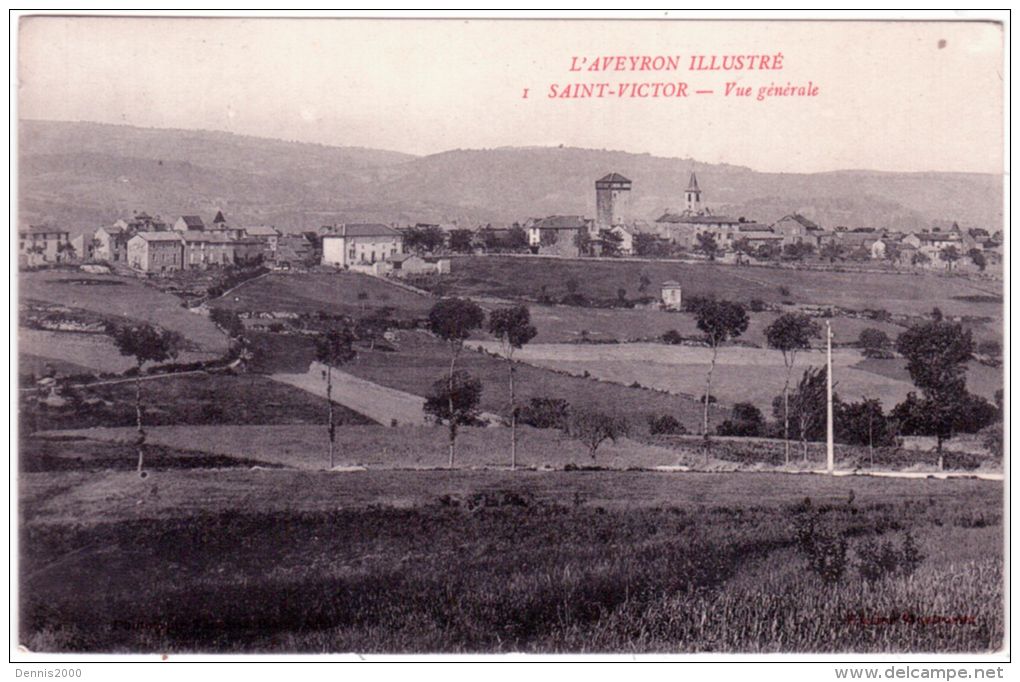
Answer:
(512, 326)
(145, 343)
(453, 320)
(789, 333)
(593, 428)
(334, 348)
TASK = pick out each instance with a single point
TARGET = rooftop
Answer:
(360, 230)
(613, 177)
(561, 222)
(160, 236)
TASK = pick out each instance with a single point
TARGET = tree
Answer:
(512, 326)
(874, 343)
(611, 242)
(789, 333)
(593, 428)
(977, 257)
(864, 423)
(806, 406)
(334, 348)
(517, 238)
(937, 353)
(707, 244)
(460, 241)
(422, 238)
(582, 240)
(720, 321)
(67, 250)
(949, 255)
(832, 251)
(644, 282)
(747, 421)
(145, 343)
(229, 321)
(453, 320)
(454, 400)
(650, 245)
(920, 258)
(766, 251)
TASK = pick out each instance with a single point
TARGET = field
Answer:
(742, 374)
(236, 560)
(566, 324)
(421, 360)
(186, 400)
(912, 294)
(124, 298)
(335, 292)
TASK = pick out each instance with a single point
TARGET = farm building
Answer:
(360, 243)
(404, 264)
(672, 295)
(559, 234)
(39, 244)
(796, 229)
(156, 252)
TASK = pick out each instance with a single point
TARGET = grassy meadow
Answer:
(912, 294)
(240, 560)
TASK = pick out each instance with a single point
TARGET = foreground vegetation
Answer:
(484, 561)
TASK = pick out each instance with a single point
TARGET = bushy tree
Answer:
(460, 240)
(874, 343)
(424, 238)
(454, 400)
(747, 421)
(863, 423)
(977, 257)
(333, 349)
(831, 251)
(611, 243)
(949, 255)
(593, 428)
(453, 320)
(512, 327)
(144, 343)
(546, 413)
(707, 244)
(790, 333)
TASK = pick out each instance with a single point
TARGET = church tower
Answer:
(692, 196)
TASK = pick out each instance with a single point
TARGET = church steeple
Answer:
(692, 196)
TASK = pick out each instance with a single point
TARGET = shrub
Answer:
(784, 291)
(756, 305)
(673, 337)
(876, 560)
(874, 343)
(825, 549)
(747, 421)
(665, 425)
(545, 413)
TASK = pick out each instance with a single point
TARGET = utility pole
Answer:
(830, 455)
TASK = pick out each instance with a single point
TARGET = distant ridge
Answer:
(82, 175)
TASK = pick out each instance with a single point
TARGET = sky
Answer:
(896, 96)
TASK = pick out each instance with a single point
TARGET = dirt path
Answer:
(379, 403)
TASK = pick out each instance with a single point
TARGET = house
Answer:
(796, 229)
(267, 234)
(683, 229)
(143, 222)
(38, 244)
(753, 234)
(189, 222)
(220, 225)
(672, 296)
(84, 248)
(626, 234)
(295, 250)
(111, 242)
(248, 250)
(202, 249)
(360, 243)
(561, 235)
(156, 252)
(934, 243)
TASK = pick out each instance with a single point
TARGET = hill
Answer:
(82, 175)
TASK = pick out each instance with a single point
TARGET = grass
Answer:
(915, 294)
(336, 292)
(130, 300)
(565, 324)
(287, 561)
(189, 400)
(305, 446)
(420, 360)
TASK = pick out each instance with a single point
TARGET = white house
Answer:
(360, 243)
(672, 296)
